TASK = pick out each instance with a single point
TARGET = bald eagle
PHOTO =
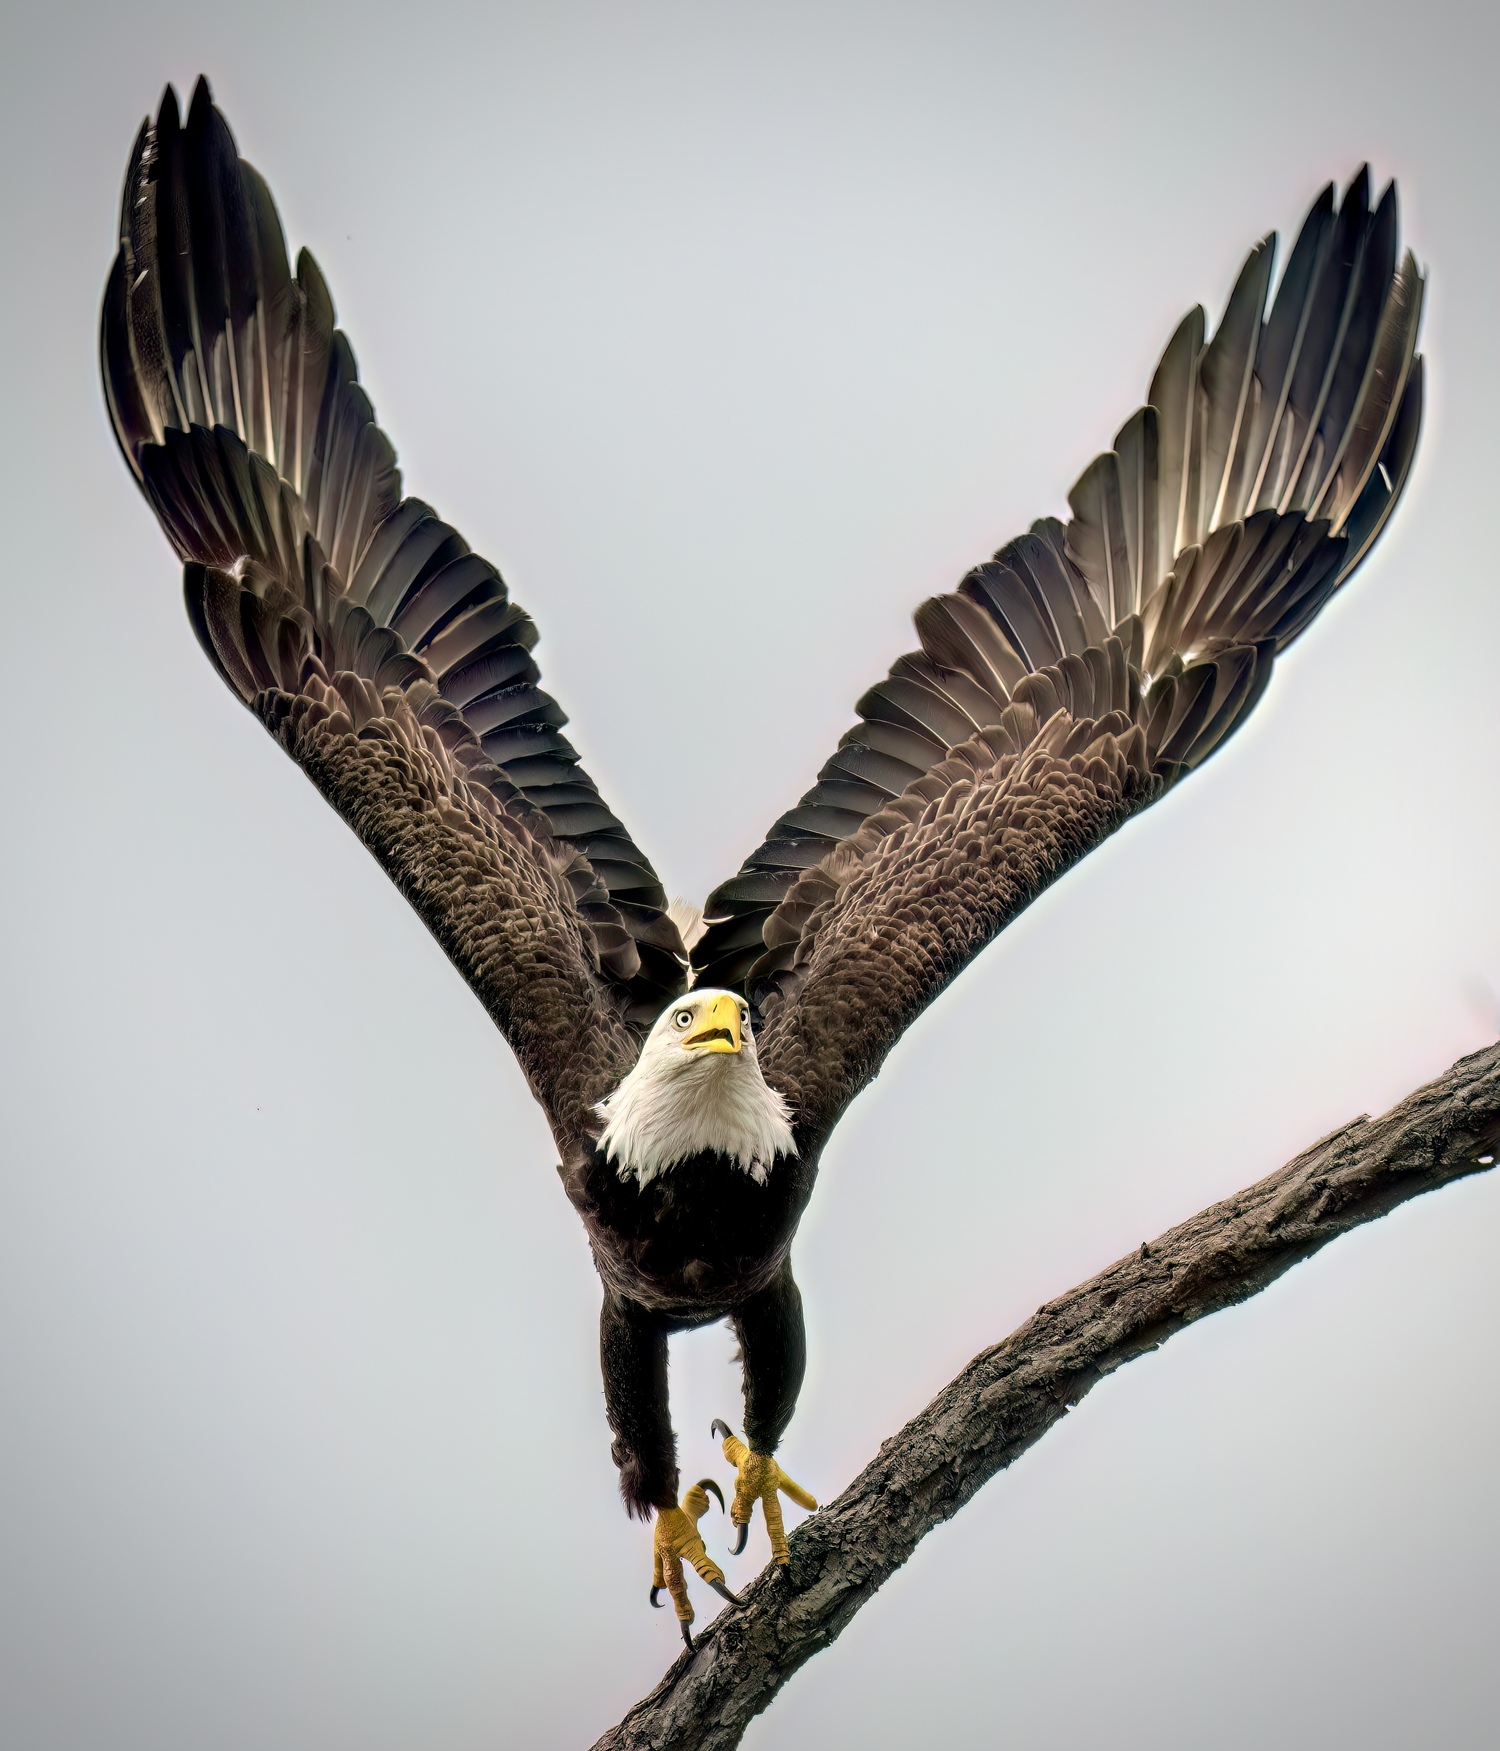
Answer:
(692, 1069)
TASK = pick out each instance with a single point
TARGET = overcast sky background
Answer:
(729, 333)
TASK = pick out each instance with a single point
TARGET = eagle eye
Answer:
(683, 1018)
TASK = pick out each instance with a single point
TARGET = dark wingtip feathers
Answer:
(1258, 475)
(168, 114)
(236, 404)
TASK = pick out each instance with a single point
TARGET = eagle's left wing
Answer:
(1076, 676)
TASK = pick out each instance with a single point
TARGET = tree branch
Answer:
(1009, 1396)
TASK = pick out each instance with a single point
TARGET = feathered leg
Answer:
(633, 1356)
(773, 1348)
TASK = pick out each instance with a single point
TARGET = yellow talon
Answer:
(758, 1478)
(677, 1537)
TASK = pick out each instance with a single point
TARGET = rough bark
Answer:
(1009, 1396)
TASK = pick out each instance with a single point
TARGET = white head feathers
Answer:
(695, 1088)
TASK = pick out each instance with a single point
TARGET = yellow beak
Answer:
(718, 1028)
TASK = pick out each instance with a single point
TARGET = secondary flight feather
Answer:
(1063, 686)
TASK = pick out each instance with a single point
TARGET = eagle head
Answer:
(696, 1089)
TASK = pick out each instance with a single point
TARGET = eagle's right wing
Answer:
(384, 655)
(1077, 675)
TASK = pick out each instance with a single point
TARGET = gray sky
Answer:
(729, 333)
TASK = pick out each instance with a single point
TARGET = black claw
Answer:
(707, 1483)
(724, 1593)
(687, 1636)
(737, 1548)
(655, 1602)
(720, 1428)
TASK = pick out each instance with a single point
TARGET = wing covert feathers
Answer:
(895, 913)
(1078, 674)
(311, 581)
(517, 910)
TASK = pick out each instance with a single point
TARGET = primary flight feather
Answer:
(1066, 684)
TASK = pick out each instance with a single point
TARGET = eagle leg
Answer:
(633, 1358)
(677, 1538)
(773, 1350)
(773, 1353)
